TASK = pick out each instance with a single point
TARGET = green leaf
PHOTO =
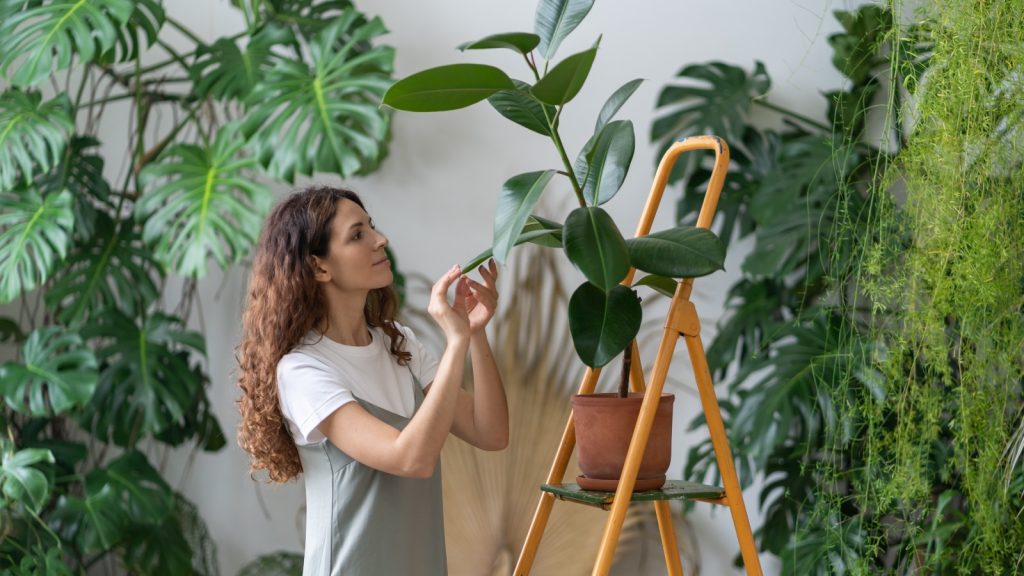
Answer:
(537, 230)
(446, 88)
(603, 324)
(564, 81)
(856, 49)
(305, 18)
(32, 135)
(42, 39)
(660, 284)
(521, 107)
(326, 118)
(35, 233)
(276, 564)
(112, 269)
(205, 204)
(603, 164)
(223, 71)
(158, 550)
(715, 99)
(595, 247)
(148, 18)
(146, 384)
(680, 252)
(120, 499)
(614, 102)
(56, 374)
(21, 481)
(554, 21)
(519, 195)
(522, 42)
(10, 331)
(81, 173)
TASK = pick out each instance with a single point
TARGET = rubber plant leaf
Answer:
(603, 323)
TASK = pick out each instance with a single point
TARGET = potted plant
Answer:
(604, 315)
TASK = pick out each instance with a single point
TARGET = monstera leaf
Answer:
(34, 234)
(303, 17)
(205, 206)
(32, 135)
(112, 270)
(139, 33)
(42, 38)
(714, 99)
(161, 549)
(81, 173)
(146, 382)
(21, 481)
(225, 71)
(555, 20)
(56, 373)
(276, 564)
(119, 500)
(325, 118)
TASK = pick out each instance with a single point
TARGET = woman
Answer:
(334, 388)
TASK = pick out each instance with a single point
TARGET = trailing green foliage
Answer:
(873, 346)
(604, 315)
(105, 369)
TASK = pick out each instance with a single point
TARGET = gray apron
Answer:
(364, 522)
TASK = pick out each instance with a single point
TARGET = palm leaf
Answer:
(325, 117)
(206, 205)
(35, 233)
(112, 270)
(32, 135)
(56, 374)
(43, 38)
(147, 384)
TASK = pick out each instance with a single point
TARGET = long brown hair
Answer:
(284, 303)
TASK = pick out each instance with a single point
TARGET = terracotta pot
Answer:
(604, 426)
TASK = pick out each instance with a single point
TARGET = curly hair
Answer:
(284, 303)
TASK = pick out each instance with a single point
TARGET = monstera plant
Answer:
(604, 316)
(106, 370)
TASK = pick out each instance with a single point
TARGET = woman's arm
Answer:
(481, 418)
(413, 451)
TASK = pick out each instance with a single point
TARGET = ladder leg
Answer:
(667, 530)
(637, 446)
(720, 442)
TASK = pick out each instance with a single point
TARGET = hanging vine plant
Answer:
(877, 332)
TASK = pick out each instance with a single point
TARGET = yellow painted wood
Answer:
(682, 320)
(667, 530)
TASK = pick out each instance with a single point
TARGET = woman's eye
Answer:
(357, 236)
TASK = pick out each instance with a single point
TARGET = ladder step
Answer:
(672, 490)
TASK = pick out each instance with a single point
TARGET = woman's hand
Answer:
(482, 301)
(453, 318)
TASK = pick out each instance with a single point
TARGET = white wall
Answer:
(436, 193)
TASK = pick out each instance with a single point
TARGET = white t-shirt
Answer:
(320, 375)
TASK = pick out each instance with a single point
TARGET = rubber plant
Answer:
(604, 316)
(872, 345)
(108, 375)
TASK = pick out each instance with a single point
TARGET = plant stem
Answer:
(181, 28)
(568, 166)
(791, 114)
(152, 96)
(627, 363)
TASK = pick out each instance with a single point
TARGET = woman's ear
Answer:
(320, 273)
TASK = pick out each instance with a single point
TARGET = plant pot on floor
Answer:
(604, 426)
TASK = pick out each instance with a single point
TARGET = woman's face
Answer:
(355, 261)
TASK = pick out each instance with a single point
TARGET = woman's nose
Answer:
(382, 240)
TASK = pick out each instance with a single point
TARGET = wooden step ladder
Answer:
(682, 321)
